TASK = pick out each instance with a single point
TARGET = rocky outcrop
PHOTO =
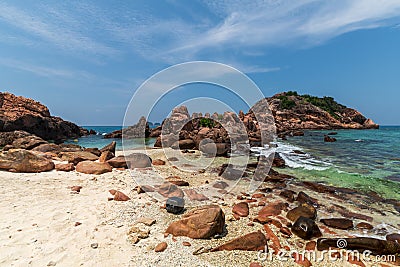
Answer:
(293, 112)
(139, 130)
(19, 113)
(91, 167)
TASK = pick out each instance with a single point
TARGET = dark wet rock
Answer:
(200, 223)
(91, 167)
(110, 147)
(21, 160)
(175, 205)
(376, 246)
(241, 209)
(364, 226)
(289, 195)
(393, 237)
(76, 157)
(193, 195)
(278, 161)
(306, 228)
(310, 246)
(320, 188)
(255, 241)
(272, 209)
(304, 210)
(338, 223)
(304, 198)
(329, 139)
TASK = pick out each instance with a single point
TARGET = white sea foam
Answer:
(292, 159)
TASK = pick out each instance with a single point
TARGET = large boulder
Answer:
(134, 160)
(76, 157)
(19, 113)
(91, 167)
(199, 223)
(48, 147)
(21, 160)
(255, 241)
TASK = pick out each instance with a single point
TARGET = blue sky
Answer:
(85, 59)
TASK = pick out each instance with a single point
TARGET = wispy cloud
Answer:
(49, 30)
(277, 23)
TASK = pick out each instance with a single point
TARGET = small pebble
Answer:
(186, 244)
(94, 245)
(161, 247)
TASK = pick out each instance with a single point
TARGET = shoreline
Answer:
(42, 229)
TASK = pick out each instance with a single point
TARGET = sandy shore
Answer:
(40, 217)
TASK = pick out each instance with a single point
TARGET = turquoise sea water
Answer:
(368, 160)
(99, 142)
(361, 159)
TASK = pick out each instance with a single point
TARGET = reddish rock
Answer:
(276, 244)
(310, 246)
(65, 167)
(255, 264)
(278, 161)
(76, 188)
(364, 225)
(119, 196)
(91, 167)
(186, 244)
(20, 160)
(105, 156)
(194, 195)
(77, 223)
(134, 160)
(241, 209)
(170, 190)
(276, 223)
(179, 182)
(161, 247)
(304, 210)
(301, 259)
(272, 209)
(158, 162)
(338, 223)
(110, 147)
(78, 156)
(200, 223)
(28, 142)
(258, 195)
(289, 195)
(255, 241)
(286, 231)
(19, 113)
(93, 150)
